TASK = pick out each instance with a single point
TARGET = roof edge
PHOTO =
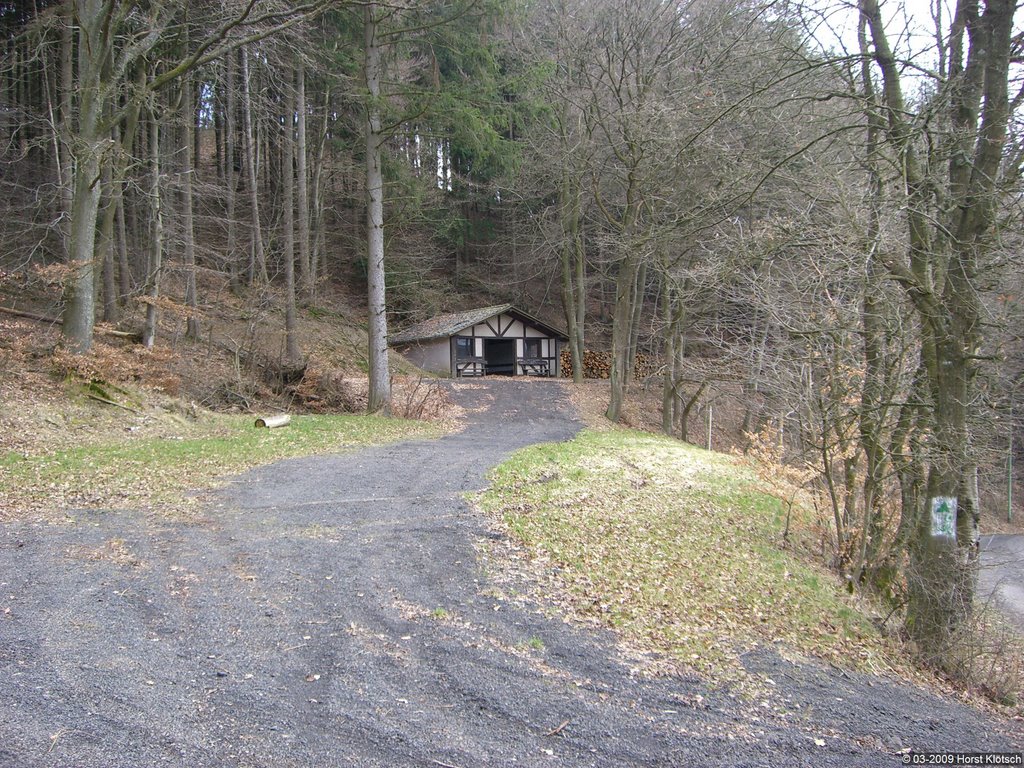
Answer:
(450, 323)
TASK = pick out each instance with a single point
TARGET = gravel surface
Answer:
(332, 611)
(1002, 574)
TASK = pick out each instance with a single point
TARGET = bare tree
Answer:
(292, 352)
(380, 376)
(302, 177)
(112, 38)
(257, 272)
(188, 169)
(950, 221)
(155, 265)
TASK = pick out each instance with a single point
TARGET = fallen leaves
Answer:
(674, 548)
(115, 551)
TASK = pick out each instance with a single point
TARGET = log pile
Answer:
(598, 365)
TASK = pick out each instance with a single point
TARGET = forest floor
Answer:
(334, 610)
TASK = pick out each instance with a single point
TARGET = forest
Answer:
(818, 201)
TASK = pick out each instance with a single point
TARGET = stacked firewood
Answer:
(598, 365)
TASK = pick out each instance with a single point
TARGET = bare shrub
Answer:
(421, 398)
(789, 483)
(240, 394)
(331, 391)
(987, 656)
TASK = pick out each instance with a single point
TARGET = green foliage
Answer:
(465, 97)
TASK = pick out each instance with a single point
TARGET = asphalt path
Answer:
(334, 611)
(1002, 574)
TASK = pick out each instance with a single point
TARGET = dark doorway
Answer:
(501, 356)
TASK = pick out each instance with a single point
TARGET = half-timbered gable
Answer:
(498, 340)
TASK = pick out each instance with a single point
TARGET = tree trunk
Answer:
(87, 149)
(907, 455)
(639, 287)
(156, 236)
(257, 257)
(63, 138)
(673, 315)
(622, 334)
(187, 218)
(218, 128)
(113, 215)
(230, 155)
(318, 256)
(380, 381)
(871, 417)
(302, 177)
(943, 564)
(110, 307)
(573, 263)
(942, 283)
(291, 353)
(684, 414)
(124, 270)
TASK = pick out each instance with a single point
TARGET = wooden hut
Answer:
(499, 340)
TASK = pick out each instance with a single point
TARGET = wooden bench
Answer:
(470, 366)
(535, 366)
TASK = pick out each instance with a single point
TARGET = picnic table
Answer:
(535, 366)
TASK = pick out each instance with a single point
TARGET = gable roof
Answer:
(451, 323)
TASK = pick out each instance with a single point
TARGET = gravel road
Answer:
(1002, 574)
(332, 611)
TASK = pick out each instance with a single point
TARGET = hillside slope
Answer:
(680, 550)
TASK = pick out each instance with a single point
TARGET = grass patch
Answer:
(675, 547)
(158, 471)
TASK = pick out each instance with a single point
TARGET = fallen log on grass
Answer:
(281, 420)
